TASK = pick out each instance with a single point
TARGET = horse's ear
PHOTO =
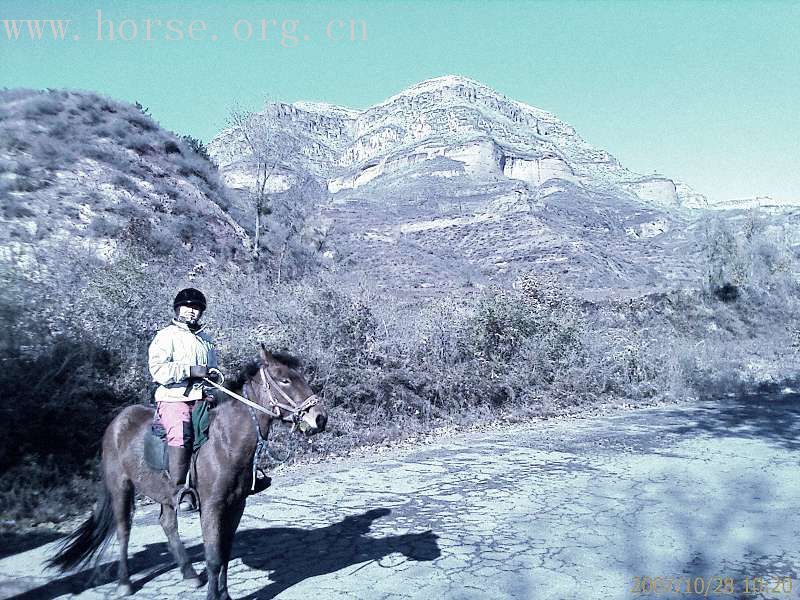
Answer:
(265, 355)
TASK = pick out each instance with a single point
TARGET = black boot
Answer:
(178, 468)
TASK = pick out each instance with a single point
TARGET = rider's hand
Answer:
(215, 375)
(198, 372)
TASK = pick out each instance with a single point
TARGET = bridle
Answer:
(296, 412)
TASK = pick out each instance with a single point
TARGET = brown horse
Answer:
(224, 472)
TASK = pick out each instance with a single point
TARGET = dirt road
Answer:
(574, 508)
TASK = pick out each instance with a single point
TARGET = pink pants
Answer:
(176, 417)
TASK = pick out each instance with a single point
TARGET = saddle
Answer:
(155, 441)
(156, 457)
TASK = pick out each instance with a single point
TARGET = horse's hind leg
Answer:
(120, 489)
(169, 522)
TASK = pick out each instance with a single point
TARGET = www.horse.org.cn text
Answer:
(287, 33)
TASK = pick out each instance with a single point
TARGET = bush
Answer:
(757, 260)
(197, 146)
(44, 105)
(100, 226)
(162, 243)
(143, 122)
(99, 154)
(13, 207)
(140, 144)
(65, 386)
(126, 183)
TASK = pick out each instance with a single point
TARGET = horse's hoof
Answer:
(124, 589)
(193, 582)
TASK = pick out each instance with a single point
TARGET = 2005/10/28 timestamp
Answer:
(712, 586)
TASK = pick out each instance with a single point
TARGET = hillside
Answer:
(80, 169)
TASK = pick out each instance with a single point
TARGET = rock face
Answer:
(450, 185)
(490, 135)
(659, 191)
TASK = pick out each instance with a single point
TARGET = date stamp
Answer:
(715, 585)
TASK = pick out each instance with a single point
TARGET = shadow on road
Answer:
(767, 416)
(724, 521)
(297, 554)
(293, 553)
(12, 542)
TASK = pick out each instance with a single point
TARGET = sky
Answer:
(704, 92)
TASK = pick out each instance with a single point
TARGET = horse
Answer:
(224, 472)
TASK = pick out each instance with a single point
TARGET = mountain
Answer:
(450, 184)
(455, 118)
(765, 203)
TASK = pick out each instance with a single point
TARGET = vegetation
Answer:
(76, 316)
(386, 370)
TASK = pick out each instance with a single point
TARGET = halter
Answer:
(262, 446)
(296, 412)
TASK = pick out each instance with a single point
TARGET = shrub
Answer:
(13, 207)
(101, 226)
(140, 144)
(98, 153)
(758, 259)
(142, 122)
(121, 129)
(14, 143)
(197, 146)
(107, 106)
(44, 105)
(162, 243)
(126, 183)
(60, 130)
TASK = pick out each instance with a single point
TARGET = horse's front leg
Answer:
(219, 526)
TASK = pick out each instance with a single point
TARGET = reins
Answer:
(242, 399)
(294, 410)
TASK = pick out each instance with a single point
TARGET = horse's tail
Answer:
(90, 539)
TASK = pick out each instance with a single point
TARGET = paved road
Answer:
(576, 508)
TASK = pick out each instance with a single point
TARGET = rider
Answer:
(180, 356)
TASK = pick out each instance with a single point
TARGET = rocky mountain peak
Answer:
(451, 117)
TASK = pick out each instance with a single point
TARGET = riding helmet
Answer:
(190, 296)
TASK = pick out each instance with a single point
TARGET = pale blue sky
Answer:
(707, 92)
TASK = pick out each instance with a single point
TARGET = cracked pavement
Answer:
(566, 508)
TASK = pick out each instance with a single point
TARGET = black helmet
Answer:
(190, 296)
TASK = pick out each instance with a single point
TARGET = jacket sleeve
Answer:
(162, 368)
(213, 360)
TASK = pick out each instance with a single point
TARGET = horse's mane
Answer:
(247, 372)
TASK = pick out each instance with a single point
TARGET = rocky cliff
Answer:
(490, 135)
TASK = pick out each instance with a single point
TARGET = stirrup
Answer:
(185, 505)
(262, 482)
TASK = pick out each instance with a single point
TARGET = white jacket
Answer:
(172, 353)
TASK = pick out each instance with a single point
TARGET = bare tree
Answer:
(271, 150)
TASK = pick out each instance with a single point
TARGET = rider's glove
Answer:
(215, 375)
(198, 372)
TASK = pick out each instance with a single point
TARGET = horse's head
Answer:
(285, 391)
